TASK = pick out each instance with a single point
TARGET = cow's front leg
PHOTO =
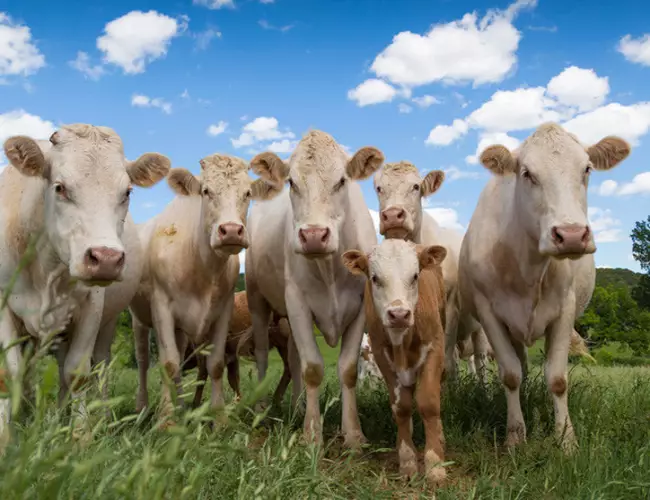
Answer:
(170, 358)
(451, 335)
(311, 360)
(348, 360)
(217, 356)
(558, 338)
(12, 357)
(76, 364)
(481, 345)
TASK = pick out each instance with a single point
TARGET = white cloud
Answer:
(425, 101)
(640, 184)
(467, 50)
(282, 147)
(579, 88)
(267, 1)
(605, 227)
(404, 108)
(19, 56)
(372, 91)
(19, 122)
(454, 174)
(215, 4)
(444, 135)
(143, 101)
(629, 122)
(268, 26)
(138, 38)
(262, 128)
(446, 217)
(488, 139)
(83, 65)
(218, 129)
(185, 94)
(203, 38)
(636, 50)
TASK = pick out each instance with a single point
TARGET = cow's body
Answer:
(294, 265)
(405, 309)
(71, 192)
(527, 269)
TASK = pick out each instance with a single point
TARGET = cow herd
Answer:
(72, 259)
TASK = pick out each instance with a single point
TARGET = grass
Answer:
(250, 458)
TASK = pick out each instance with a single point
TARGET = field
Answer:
(248, 458)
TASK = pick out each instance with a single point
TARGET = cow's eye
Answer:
(378, 189)
(61, 190)
(374, 279)
(416, 187)
(415, 279)
(206, 191)
(339, 184)
(528, 176)
(127, 195)
(248, 194)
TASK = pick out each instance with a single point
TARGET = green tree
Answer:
(641, 243)
(641, 292)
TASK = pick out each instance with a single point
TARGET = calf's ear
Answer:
(431, 256)
(148, 169)
(608, 152)
(26, 156)
(183, 182)
(499, 160)
(356, 262)
(364, 163)
(432, 182)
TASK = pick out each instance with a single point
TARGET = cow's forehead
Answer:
(552, 145)
(394, 174)
(394, 254)
(224, 170)
(317, 154)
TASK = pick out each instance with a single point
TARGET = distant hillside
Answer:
(608, 276)
(241, 284)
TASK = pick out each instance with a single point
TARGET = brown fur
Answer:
(432, 182)
(511, 381)
(608, 153)
(499, 160)
(264, 164)
(148, 169)
(427, 330)
(25, 154)
(364, 163)
(313, 375)
(558, 386)
(182, 181)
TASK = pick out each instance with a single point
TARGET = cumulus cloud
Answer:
(444, 135)
(138, 38)
(636, 50)
(282, 147)
(218, 129)
(143, 101)
(629, 122)
(84, 66)
(404, 108)
(446, 217)
(262, 129)
(640, 184)
(19, 56)
(205, 37)
(579, 88)
(454, 173)
(425, 101)
(488, 139)
(268, 26)
(605, 227)
(472, 49)
(215, 4)
(20, 122)
(372, 91)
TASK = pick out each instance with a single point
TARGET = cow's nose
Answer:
(399, 316)
(231, 230)
(103, 263)
(314, 239)
(571, 238)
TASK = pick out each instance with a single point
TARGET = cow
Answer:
(74, 279)
(294, 266)
(465, 350)
(191, 268)
(405, 312)
(367, 368)
(240, 344)
(526, 264)
(400, 190)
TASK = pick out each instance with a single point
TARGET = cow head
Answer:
(226, 191)
(318, 175)
(400, 191)
(551, 174)
(88, 186)
(393, 268)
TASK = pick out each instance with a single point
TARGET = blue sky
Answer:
(429, 81)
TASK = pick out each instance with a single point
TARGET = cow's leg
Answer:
(509, 370)
(348, 361)
(522, 354)
(260, 316)
(76, 369)
(217, 356)
(170, 358)
(311, 360)
(202, 376)
(451, 335)
(555, 370)
(428, 400)
(141, 338)
(481, 345)
(102, 357)
(13, 358)
(471, 365)
(283, 349)
(296, 372)
(233, 376)
(181, 344)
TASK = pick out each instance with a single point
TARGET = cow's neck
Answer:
(213, 262)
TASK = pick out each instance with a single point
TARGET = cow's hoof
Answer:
(354, 440)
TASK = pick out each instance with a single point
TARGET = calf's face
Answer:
(393, 268)
(226, 191)
(318, 173)
(400, 191)
(551, 172)
(86, 200)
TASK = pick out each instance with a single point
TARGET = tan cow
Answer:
(526, 264)
(74, 191)
(405, 311)
(294, 265)
(240, 344)
(191, 268)
(400, 190)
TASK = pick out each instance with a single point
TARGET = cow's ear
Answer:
(499, 160)
(356, 262)
(270, 167)
(183, 182)
(364, 163)
(608, 152)
(149, 169)
(262, 190)
(432, 182)
(26, 156)
(431, 256)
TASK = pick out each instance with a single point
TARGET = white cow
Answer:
(191, 267)
(294, 265)
(400, 191)
(526, 265)
(74, 191)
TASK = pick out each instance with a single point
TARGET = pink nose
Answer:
(392, 218)
(399, 317)
(571, 238)
(231, 233)
(314, 239)
(103, 263)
